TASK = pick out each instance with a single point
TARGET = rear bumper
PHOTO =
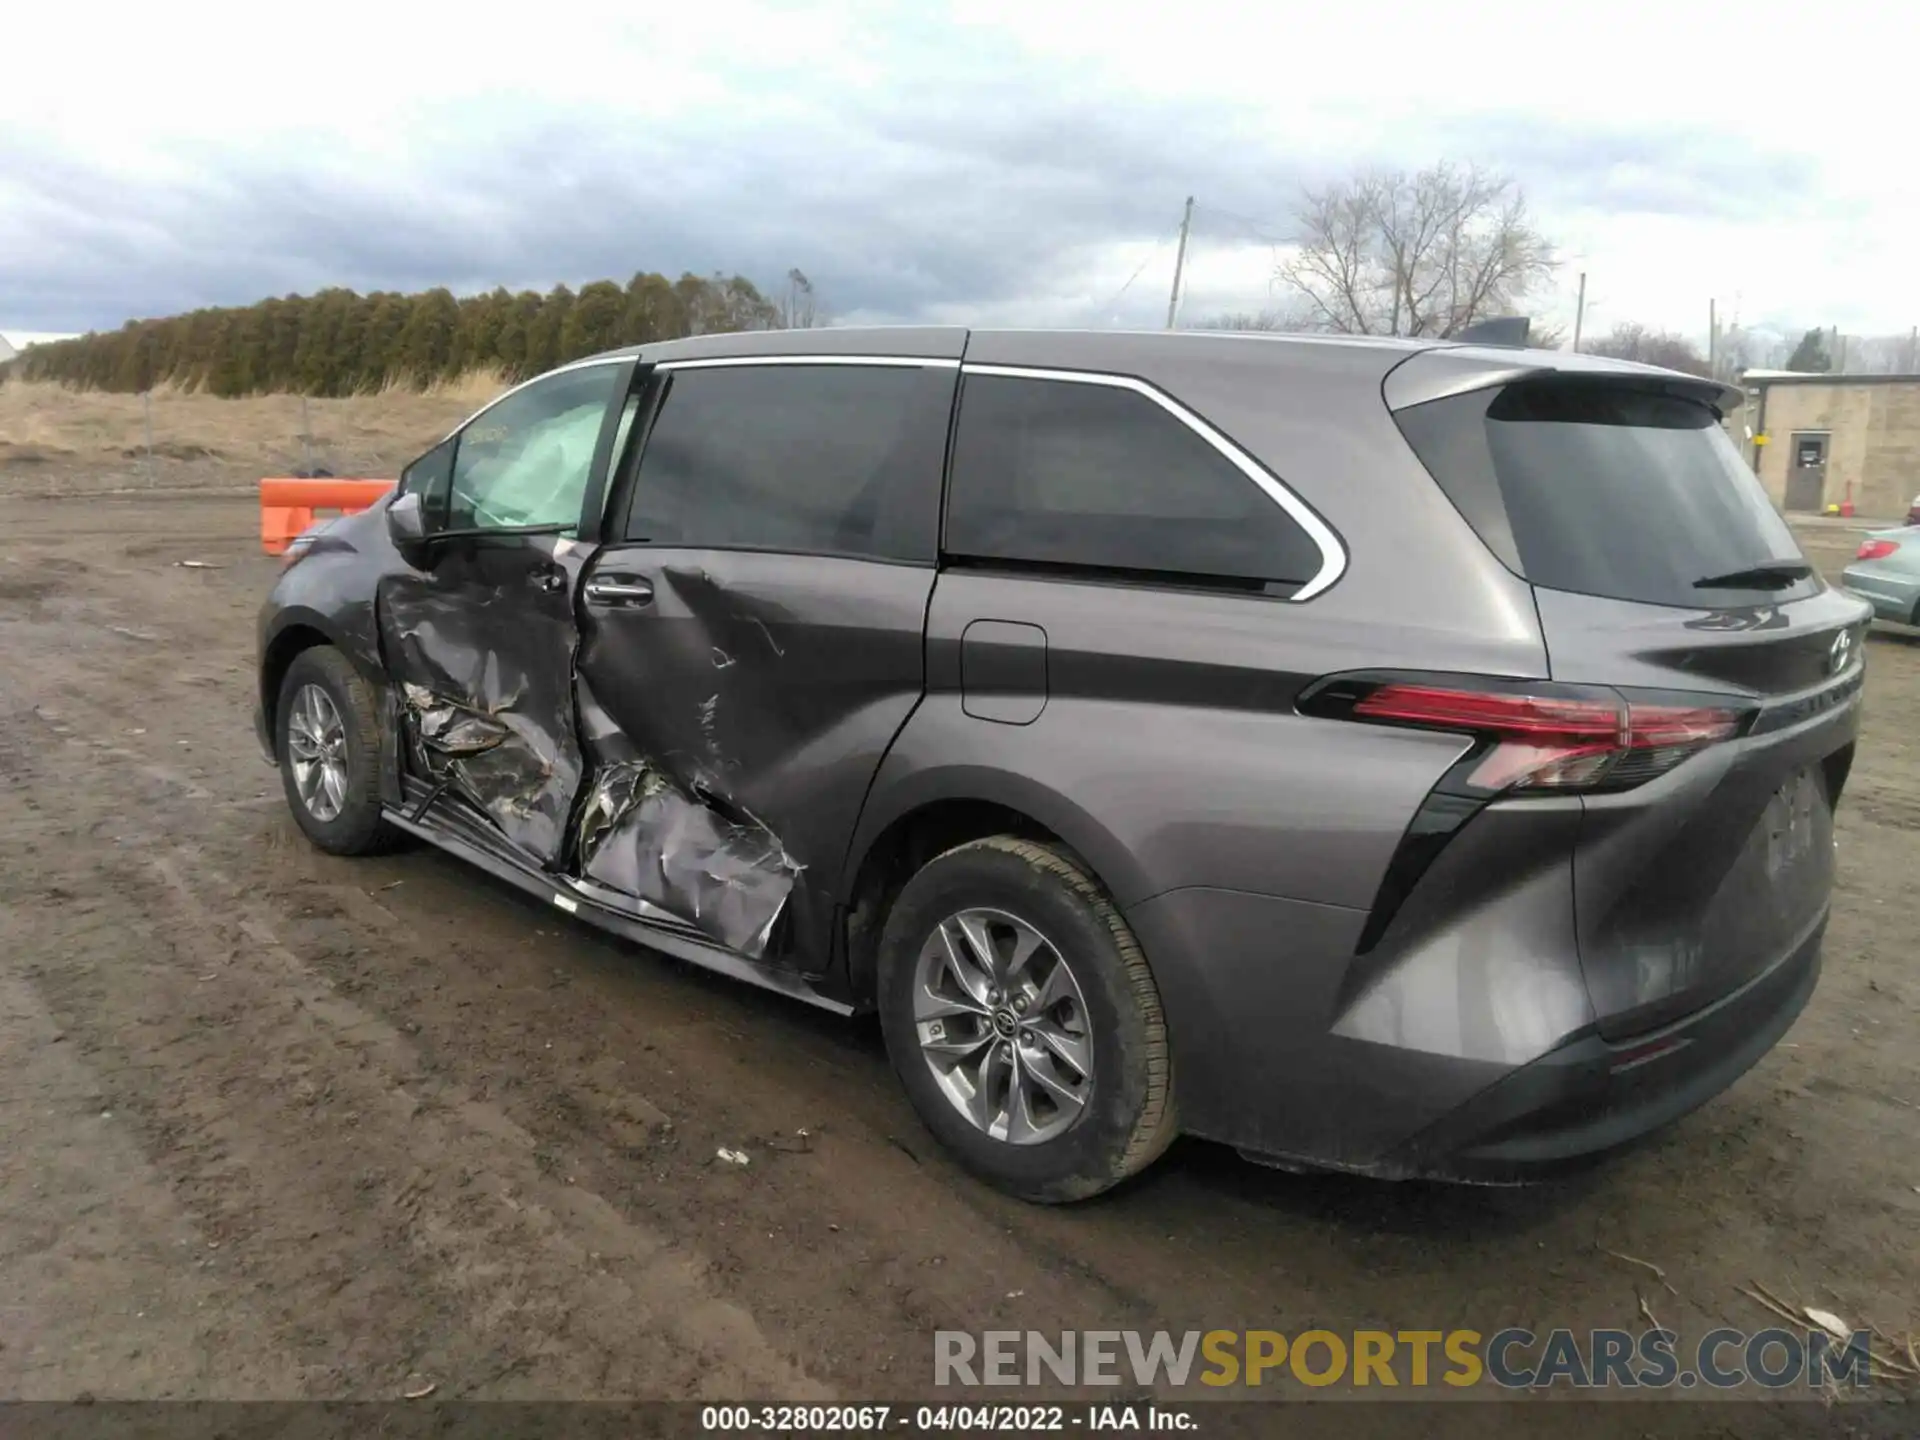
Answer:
(1258, 1071)
(1590, 1096)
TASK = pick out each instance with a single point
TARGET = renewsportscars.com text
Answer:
(1513, 1359)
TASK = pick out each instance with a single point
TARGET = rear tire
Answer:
(1014, 1107)
(327, 740)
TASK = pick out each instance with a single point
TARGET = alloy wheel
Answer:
(1003, 1026)
(317, 751)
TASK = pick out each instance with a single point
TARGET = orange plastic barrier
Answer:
(287, 506)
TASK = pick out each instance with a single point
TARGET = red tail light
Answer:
(1876, 549)
(1547, 742)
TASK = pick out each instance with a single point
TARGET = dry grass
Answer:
(82, 433)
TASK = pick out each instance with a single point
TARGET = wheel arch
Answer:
(933, 811)
(295, 630)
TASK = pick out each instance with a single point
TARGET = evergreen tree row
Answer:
(341, 343)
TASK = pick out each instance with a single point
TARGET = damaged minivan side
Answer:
(1112, 713)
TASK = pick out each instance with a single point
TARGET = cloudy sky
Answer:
(986, 161)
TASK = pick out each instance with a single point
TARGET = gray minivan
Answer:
(1413, 758)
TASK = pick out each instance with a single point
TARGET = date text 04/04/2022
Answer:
(1010, 1419)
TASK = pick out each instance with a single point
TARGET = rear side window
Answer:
(807, 459)
(1070, 473)
(1606, 490)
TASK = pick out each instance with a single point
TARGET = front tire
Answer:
(327, 739)
(1023, 1020)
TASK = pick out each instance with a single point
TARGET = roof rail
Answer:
(1506, 331)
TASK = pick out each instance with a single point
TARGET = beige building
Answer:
(1820, 440)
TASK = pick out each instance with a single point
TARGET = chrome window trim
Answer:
(716, 362)
(1333, 555)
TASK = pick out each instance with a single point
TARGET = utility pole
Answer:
(1579, 312)
(1713, 339)
(1179, 263)
(1913, 348)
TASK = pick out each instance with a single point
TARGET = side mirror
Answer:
(407, 528)
(420, 507)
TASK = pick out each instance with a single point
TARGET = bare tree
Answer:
(1634, 341)
(1543, 335)
(1269, 319)
(801, 310)
(1743, 349)
(1882, 354)
(1388, 253)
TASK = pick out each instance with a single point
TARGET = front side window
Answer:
(526, 460)
(1096, 477)
(806, 459)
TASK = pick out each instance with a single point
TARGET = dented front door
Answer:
(480, 637)
(482, 648)
(751, 637)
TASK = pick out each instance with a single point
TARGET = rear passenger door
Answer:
(751, 634)
(1114, 617)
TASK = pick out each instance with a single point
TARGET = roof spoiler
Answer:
(1509, 332)
(1447, 370)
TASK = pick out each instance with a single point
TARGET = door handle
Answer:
(619, 590)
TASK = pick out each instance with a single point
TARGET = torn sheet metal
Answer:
(499, 759)
(486, 694)
(449, 730)
(775, 682)
(723, 872)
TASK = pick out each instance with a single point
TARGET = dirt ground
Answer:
(281, 1125)
(56, 441)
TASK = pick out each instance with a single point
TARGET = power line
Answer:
(1158, 246)
(1251, 227)
(1260, 229)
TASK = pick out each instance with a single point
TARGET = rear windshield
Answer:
(1607, 490)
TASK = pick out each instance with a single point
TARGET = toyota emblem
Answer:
(1840, 652)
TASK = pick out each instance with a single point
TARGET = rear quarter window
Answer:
(1094, 477)
(1606, 490)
